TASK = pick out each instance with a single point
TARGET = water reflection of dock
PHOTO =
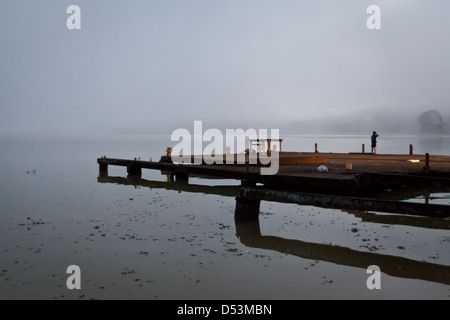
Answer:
(249, 234)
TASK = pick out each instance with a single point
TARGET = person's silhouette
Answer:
(374, 142)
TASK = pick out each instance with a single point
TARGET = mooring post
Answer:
(411, 150)
(363, 148)
(317, 149)
(427, 162)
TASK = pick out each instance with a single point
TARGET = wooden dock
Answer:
(351, 179)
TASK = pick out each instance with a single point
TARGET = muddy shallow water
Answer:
(148, 240)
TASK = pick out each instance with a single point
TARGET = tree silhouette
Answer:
(431, 122)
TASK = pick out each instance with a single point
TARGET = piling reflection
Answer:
(249, 234)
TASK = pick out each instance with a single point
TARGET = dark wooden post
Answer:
(103, 169)
(427, 162)
(363, 148)
(134, 169)
(411, 150)
(182, 177)
(317, 149)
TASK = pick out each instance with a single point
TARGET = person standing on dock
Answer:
(374, 142)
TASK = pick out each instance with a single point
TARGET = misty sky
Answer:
(142, 65)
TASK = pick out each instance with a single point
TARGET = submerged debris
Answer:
(32, 223)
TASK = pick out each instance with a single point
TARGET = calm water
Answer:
(149, 239)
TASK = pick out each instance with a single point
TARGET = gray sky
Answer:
(142, 65)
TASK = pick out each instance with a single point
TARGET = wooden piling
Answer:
(427, 162)
(182, 177)
(103, 169)
(134, 169)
